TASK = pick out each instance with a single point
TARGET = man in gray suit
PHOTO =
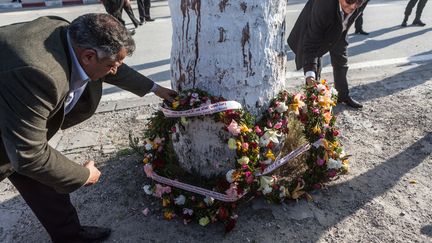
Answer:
(322, 27)
(51, 78)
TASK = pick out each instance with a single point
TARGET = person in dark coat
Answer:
(322, 27)
(420, 6)
(52, 73)
(115, 8)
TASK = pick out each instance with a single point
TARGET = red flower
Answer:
(222, 213)
(158, 163)
(335, 133)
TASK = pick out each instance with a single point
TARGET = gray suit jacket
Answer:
(35, 70)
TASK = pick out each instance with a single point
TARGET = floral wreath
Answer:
(259, 146)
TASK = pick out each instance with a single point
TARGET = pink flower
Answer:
(234, 128)
(148, 169)
(316, 111)
(249, 177)
(320, 162)
(160, 190)
(258, 130)
(245, 146)
(278, 125)
(146, 211)
(232, 191)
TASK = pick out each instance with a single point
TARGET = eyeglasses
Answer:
(358, 2)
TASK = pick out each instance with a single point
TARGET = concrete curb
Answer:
(44, 3)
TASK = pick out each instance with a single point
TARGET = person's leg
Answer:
(421, 4)
(128, 9)
(408, 10)
(359, 23)
(54, 210)
(141, 10)
(147, 5)
(114, 8)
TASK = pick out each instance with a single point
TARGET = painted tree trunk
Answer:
(230, 48)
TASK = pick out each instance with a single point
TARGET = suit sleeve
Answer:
(322, 15)
(27, 99)
(128, 79)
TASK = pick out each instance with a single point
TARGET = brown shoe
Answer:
(350, 102)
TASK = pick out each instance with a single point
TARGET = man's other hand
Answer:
(166, 94)
(310, 81)
(94, 173)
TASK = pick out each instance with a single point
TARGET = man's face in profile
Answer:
(349, 6)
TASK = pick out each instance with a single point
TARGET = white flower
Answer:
(334, 164)
(334, 91)
(229, 176)
(208, 200)
(148, 190)
(148, 146)
(281, 107)
(321, 87)
(183, 121)
(244, 160)
(195, 95)
(180, 200)
(283, 192)
(268, 136)
(187, 211)
(265, 184)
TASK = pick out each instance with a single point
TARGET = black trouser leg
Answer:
(339, 60)
(115, 8)
(147, 5)
(319, 69)
(141, 10)
(129, 11)
(420, 6)
(359, 23)
(54, 210)
(410, 7)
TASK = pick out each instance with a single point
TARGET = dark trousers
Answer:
(359, 23)
(421, 4)
(54, 210)
(339, 61)
(144, 9)
(115, 8)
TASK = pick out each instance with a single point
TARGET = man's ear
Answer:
(88, 56)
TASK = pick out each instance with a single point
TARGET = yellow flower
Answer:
(327, 117)
(146, 160)
(168, 215)
(316, 129)
(244, 128)
(239, 145)
(270, 155)
(298, 192)
(204, 221)
(165, 202)
(175, 104)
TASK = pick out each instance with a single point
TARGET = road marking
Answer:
(377, 63)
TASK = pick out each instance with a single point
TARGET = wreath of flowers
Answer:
(257, 145)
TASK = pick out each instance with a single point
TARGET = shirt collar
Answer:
(78, 75)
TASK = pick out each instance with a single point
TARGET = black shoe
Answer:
(404, 24)
(141, 21)
(350, 102)
(149, 19)
(418, 23)
(361, 32)
(92, 234)
(132, 32)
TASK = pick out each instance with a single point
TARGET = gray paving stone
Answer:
(83, 139)
(106, 107)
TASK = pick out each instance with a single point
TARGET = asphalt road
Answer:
(388, 44)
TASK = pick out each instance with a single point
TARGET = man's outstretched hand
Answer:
(166, 94)
(310, 81)
(94, 173)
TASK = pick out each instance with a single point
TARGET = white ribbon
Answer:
(292, 155)
(203, 110)
(190, 188)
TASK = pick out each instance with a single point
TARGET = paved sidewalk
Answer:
(8, 4)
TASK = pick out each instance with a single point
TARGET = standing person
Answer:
(51, 78)
(115, 8)
(322, 27)
(421, 4)
(359, 25)
(144, 11)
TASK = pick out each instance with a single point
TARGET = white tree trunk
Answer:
(230, 48)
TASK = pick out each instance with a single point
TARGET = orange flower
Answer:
(168, 215)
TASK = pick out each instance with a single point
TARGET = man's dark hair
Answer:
(101, 32)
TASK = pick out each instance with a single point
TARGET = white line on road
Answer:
(377, 63)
